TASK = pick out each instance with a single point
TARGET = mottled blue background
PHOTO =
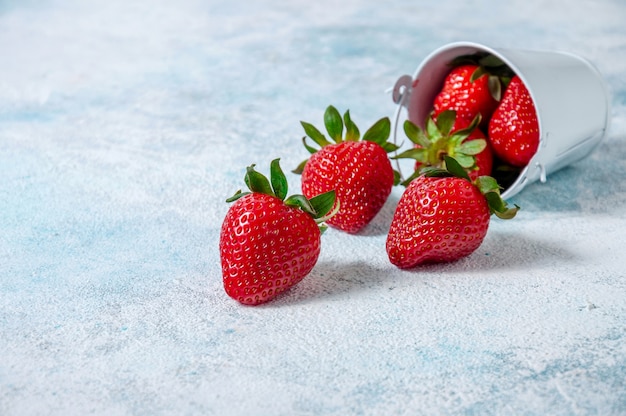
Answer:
(125, 125)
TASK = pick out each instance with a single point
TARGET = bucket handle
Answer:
(400, 95)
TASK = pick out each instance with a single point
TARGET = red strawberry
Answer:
(358, 170)
(452, 136)
(269, 243)
(513, 128)
(442, 217)
(470, 91)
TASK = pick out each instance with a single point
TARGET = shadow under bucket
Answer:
(569, 94)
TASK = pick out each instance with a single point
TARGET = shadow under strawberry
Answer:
(504, 251)
(330, 279)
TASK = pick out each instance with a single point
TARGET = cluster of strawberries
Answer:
(482, 86)
(270, 242)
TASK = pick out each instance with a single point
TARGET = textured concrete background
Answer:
(124, 126)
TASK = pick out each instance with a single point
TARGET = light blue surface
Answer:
(125, 125)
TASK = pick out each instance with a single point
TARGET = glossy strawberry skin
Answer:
(468, 98)
(437, 220)
(266, 247)
(360, 173)
(514, 128)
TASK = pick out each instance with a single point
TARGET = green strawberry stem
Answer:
(436, 142)
(344, 129)
(487, 185)
(318, 207)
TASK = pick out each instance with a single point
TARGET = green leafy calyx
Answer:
(437, 141)
(343, 129)
(318, 207)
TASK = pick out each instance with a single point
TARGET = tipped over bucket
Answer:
(568, 92)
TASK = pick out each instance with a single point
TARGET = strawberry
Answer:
(442, 216)
(269, 243)
(514, 128)
(452, 136)
(359, 170)
(473, 86)
(468, 90)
